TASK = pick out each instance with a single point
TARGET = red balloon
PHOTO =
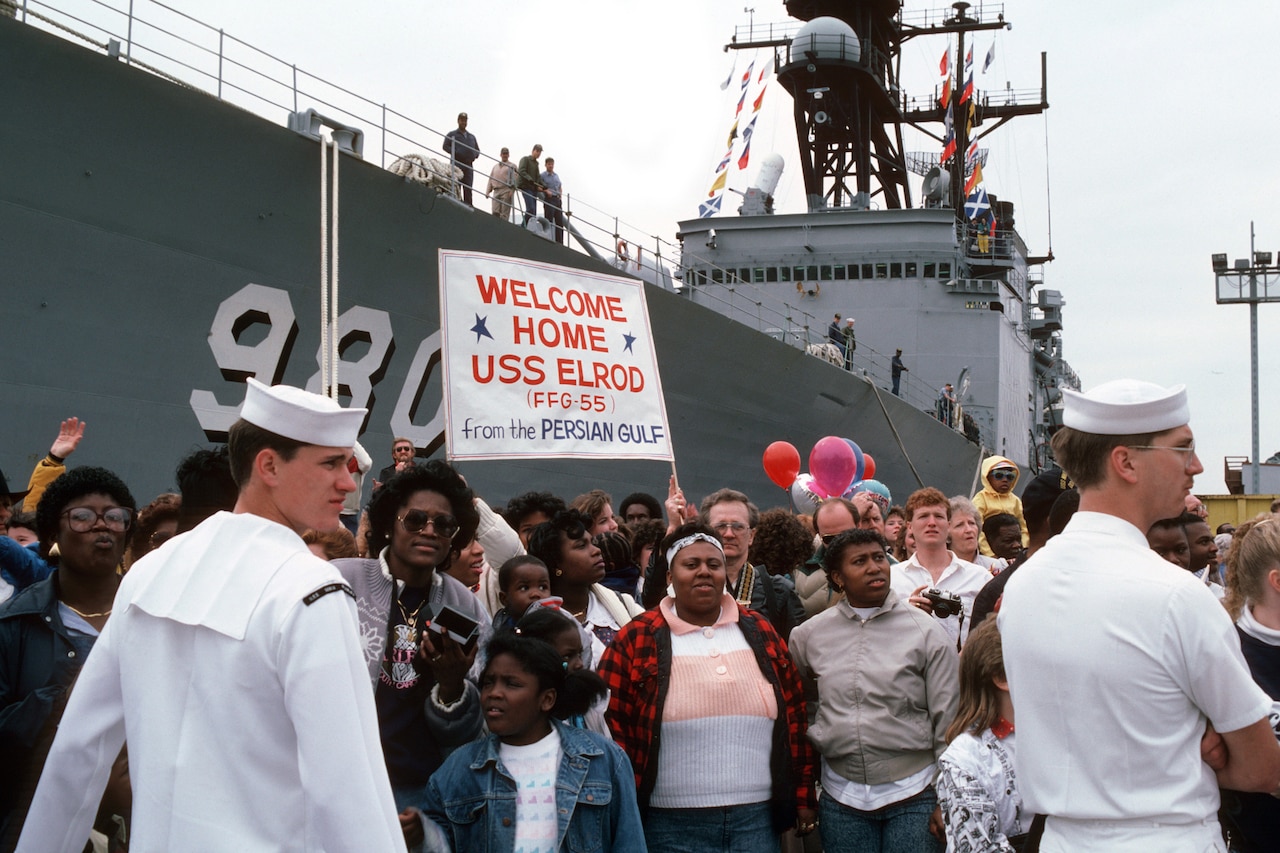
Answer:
(832, 464)
(868, 466)
(782, 463)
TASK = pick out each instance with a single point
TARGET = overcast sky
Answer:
(1160, 142)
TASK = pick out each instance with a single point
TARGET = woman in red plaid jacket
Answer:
(706, 702)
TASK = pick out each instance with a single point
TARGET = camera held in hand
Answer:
(945, 603)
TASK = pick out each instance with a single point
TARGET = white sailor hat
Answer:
(1126, 407)
(301, 415)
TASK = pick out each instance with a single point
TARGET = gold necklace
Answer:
(84, 615)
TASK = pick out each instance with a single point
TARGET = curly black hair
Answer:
(781, 542)
(76, 483)
(433, 476)
(646, 500)
(544, 540)
(522, 506)
(576, 690)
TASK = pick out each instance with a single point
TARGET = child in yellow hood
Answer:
(999, 476)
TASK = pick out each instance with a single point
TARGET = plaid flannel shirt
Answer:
(631, 668)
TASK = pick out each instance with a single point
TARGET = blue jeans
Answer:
(530, 205)
(727, 829)
(901, 827)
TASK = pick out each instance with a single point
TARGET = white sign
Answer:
(547, 361)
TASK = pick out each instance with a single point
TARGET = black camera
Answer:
(945, 603)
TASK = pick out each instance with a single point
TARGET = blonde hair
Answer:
(981, 662)
(1255, 551)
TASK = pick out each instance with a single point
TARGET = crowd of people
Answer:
(229, 667)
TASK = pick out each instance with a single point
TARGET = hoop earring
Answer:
(559, 573)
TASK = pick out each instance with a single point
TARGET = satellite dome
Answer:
(826, 38)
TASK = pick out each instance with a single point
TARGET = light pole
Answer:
(1250, 281)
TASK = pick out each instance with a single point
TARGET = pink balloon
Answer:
(782, 463)
(832, 464)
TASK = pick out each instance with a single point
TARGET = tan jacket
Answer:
(887, 689)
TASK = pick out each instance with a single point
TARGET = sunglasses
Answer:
(1004, 475)
(416, 520)
(81, 519)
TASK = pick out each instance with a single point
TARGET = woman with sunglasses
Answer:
(426, 704)
(48, 629)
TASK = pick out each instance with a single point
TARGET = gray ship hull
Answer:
(160, 245)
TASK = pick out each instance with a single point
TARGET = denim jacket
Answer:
(471, 800)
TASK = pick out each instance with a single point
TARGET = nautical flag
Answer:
(746, 143)
(718, 184)
(974, 179)
(968, 59)
(729, 79)
(944, 67)
(967, 92)
(755, 107)
(945, 100)
(741, 101)
(971, 154)
(764, 71)
(733, 134)
(991, 56)
(977, 204)
(710, 207)
(949, 141)
(993, 225)
(746, 77)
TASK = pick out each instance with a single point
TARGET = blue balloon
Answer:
(857, 458)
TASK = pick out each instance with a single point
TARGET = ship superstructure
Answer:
(948, 280)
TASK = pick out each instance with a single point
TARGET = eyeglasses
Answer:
(416, 520)
(81, 519)
(1004, 475)
(734, 527)
(828, 538)
(1189, 449)
(403, 449)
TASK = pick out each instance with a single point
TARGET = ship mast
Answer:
(842, 70)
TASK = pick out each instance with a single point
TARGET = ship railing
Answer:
(795, 326)
(167, 42)
(930, 19)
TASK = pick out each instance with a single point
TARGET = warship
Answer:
(163, 244)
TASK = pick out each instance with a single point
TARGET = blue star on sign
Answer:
(630, 339)
(480, 329)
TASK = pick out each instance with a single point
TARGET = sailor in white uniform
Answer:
(1117, 660)
(232, 667)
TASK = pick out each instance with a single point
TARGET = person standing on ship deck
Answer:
(463, 149)
(552, 205)
(502, 185)
(898, 369)
(529, 182)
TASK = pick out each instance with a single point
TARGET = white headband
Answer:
(681, 544)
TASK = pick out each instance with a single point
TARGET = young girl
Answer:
(1253, 600)
(533, 784)
(522, 580)
(977, 790)
(567, 637)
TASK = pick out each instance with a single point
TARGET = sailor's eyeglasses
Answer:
(416, 521)
(1188, 449)
(81, 519)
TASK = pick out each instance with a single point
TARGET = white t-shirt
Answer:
(1115, 659)
(534, 768)
(961, 577)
